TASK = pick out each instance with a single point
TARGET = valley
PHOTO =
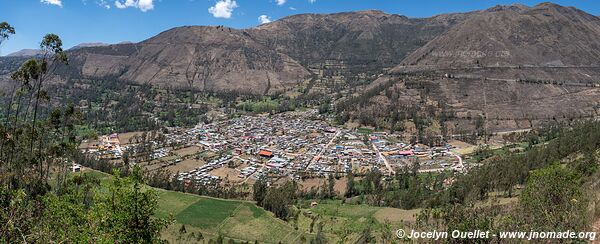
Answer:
(324, 127)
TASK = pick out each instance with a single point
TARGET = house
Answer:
(76, 168)
(330, 130)
(265, 153)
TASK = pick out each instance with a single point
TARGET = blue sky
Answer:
(113, 21)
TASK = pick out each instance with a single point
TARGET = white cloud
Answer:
(127, 3)
(312, 1)
(281, 2)
(103, 3)
(292, 8)
(263, 19)
(52, 2)
(223, 9)
(143, 5)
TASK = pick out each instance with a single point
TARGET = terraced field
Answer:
(230, 219)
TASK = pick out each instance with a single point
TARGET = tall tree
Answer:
(350, 185)
(5, 31)
(260, 191)
(32, 150)
(128, 210)
(330, 186)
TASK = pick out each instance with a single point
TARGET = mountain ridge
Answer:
(544, 35)
(283, 53)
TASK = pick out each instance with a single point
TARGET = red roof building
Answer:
(265, 153)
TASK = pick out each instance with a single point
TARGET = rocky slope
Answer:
(514, 66)
(261, 60)
(370, 39)
(211, 58)
(545, 35)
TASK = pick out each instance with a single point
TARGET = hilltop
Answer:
(546, 35)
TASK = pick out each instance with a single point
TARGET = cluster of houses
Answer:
(106, 147)
(429, 158)
(201, 175)
(290, 145)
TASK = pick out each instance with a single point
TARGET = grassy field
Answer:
(236, 220)
(345, 222)
(244, 221)
(213, 213)
(231, 219)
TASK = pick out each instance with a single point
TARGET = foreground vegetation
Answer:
(39, 202)
(198, 218)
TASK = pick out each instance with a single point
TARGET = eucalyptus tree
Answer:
(27, 147)
(5, 31)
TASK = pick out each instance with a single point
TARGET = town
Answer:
(297, 145)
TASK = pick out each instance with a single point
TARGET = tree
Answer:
(387, 234)
(260, 191)
(366, 235)
(553, 200)
(278, 199)
(182, 232)
(330, 186)
(128, 210)
(350, 185)
(5, 31)
(319, 237)
(588, 165)
(31, 150)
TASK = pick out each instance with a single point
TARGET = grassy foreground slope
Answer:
(244, 221)
(231, 219)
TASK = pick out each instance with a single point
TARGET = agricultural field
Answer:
(345, 222)
(230, 219)
(212, 217)
(244, 221)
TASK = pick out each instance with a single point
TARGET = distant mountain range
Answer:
(89, 44)
(266, 58)
(497, 48)
(26, 53)
(35, 52)
(278, 54)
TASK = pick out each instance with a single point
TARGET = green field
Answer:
(236, 220)
(344, 222)
(213, 213)
(244, 221)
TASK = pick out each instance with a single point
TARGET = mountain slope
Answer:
(260, 60)
(544, 35)
(212, 58)
(26, 53)
(368, 39)
(510, 67)
(89, 44)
